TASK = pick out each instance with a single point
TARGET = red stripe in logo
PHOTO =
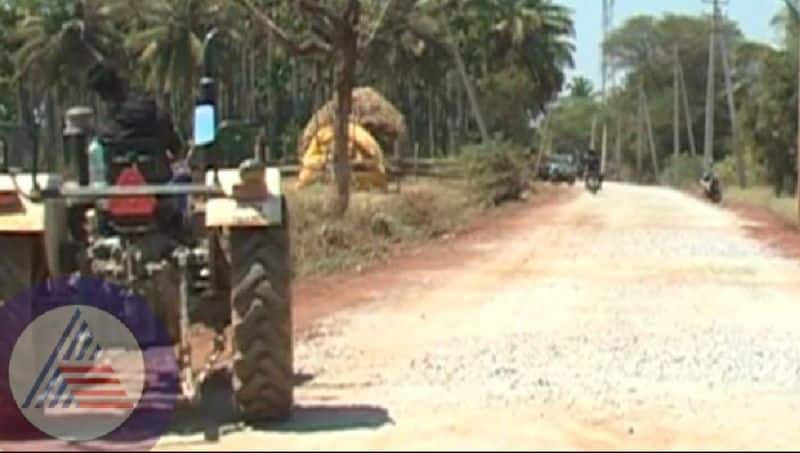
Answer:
(104, 405)
(90, 381)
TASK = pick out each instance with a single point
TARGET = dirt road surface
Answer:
(637, 318)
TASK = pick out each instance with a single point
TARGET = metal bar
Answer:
(134, 191)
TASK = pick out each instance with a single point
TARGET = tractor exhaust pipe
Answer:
(78, 128)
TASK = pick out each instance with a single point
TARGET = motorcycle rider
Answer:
(711, 185)
(591, 163)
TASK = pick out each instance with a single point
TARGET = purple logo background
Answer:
(153, 414)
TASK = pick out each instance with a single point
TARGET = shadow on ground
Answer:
(324, 418)
(305, 418)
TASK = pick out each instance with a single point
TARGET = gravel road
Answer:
(637, 318)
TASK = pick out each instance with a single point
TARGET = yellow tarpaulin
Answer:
(366, 159)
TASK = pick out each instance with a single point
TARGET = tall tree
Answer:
(339, 32)
(166, 38)
(793, 10)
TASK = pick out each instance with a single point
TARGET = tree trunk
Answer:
(473, 99)
(270, 98)
(412, 128)
(604, 149)
(618, 148)
(450, 114)
(650, 137)
(459, 122)
(542, 147)
(639, 140)
(431, 128)
(676, 106)
(53, 156)
(676, 118)
(295, 90)
(253, 89)
(347, 59)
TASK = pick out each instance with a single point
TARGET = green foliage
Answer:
(755, 169)
(497, 172)
(571, 122)
(643, 49)
(683, 170)
(506, 111)
(769, 119)
(516, 53)
(581, 87)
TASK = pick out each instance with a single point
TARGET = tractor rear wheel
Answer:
(22, 267)
(263, 365)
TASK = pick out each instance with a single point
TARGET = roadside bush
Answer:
(496, 172)
(755, 171)
(683, 170)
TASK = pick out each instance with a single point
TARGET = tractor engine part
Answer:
(79, 125)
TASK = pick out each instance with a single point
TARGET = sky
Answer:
(753, 17)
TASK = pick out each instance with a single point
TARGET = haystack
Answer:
(365, 155)
(370, 110)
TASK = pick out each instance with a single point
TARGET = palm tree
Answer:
(536, 35)
(581, 87)
(166, 36)
(53, 50)
(54, 46)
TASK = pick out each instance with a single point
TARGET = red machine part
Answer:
(127, 207)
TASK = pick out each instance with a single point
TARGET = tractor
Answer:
(212, 249)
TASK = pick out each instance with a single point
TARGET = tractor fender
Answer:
(232, 212)
(46, 218)
(30, 215)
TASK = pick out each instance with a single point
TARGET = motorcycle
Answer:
(593, 181)
(712, 187)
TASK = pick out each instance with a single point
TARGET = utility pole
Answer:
(650, 138)
(639, 138)
(689, 120)
(676, 110)
(608, 23)
(737, 146)
(708, 156)
(604, 146)
(618, 148)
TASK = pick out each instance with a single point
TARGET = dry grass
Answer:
(764, 197)
(424, 209)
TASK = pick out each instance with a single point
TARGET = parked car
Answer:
(560, 167)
